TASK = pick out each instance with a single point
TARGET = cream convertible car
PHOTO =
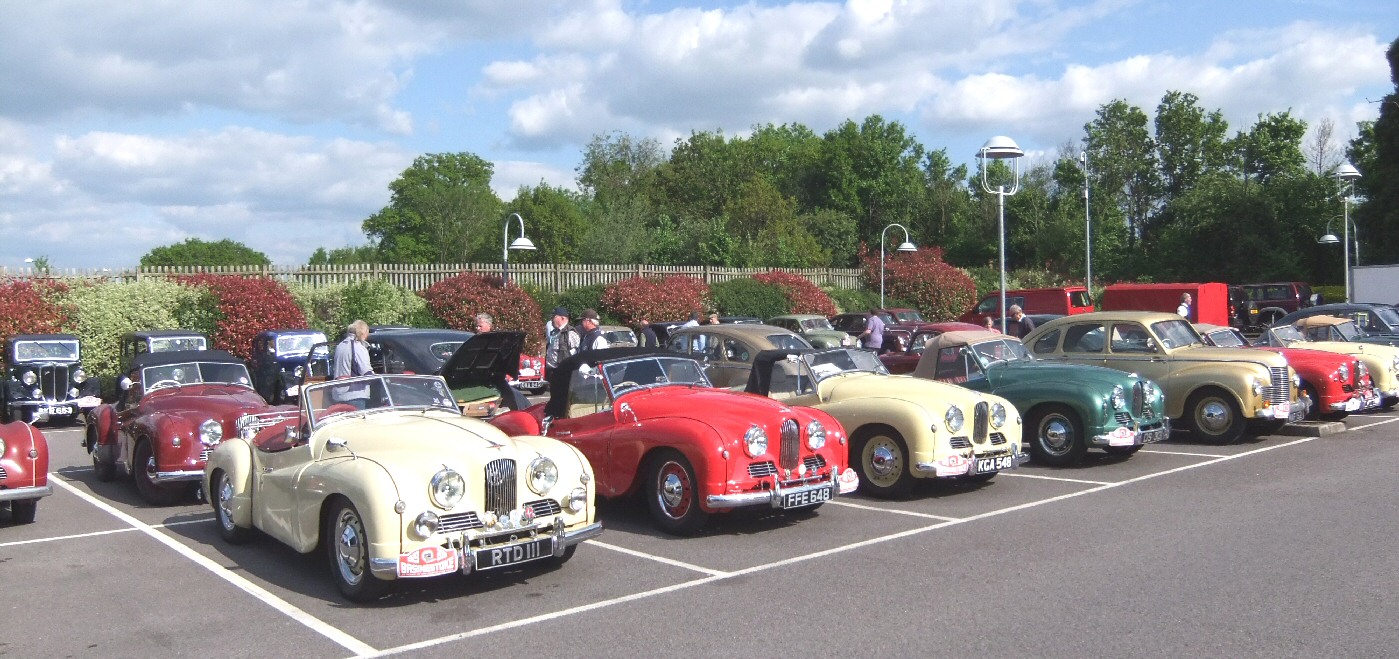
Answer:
(387, 475)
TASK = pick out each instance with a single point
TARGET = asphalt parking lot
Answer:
(1275, 546)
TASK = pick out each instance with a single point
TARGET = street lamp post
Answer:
(520, 243)
(1347, 175)
(906, 246)
(997, 148)
(1087, 227)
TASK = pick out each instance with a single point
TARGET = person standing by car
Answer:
(648, 335)
(1020, 324)
(592, 334)
(484, 323)
(713, 319)
(990, 324)
(562, 339)
(1184, 309)
(693, 321)
(873, 336)
(352, 359)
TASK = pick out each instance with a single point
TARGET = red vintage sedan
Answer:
(649, 422)
(1336, 384)
(24, 470)
(173, 409)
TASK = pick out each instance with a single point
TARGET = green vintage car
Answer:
(814, 328)
(1068, 408)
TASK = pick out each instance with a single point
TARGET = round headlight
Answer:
(1118, 400)
(29, 377)
(1257, 388)
(446, 489)
(210, 432)
(297, 373)
(79, 375)
(543, 474)
(1394, 364)
(1150, 392)
(815, 435)
(577, 499)
(73, 392)
(1343, 373)
(755, 441)
(425, 525)
(954, 418)
(998, 415)
(2, 446)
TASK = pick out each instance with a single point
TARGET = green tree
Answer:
(194, 251)
(441, 210)
(1124, 165)
(553, 221)
(871, 172)
(1375, 152)
(344, 255)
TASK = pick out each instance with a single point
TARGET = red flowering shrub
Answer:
(456, 301)
(940, 291)
(30, 307)
(246, 306)
(805, 296)
(656, 300)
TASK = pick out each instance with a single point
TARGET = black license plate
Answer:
(806, 497)
(515, 554)
(991, 465)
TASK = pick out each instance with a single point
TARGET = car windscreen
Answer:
(830, 363)
(1227, 339)
(816, 324)
(1348, 330)
(1389, 316)
(444, 350)
(298, 344)
(1286, 334)
(186, 373)
(651, 372)
(909, 316)
(990, 352)
(620, 336)
(53, 350)
(788, 342)
(1176, 333)
(379, 393)
(174, 343)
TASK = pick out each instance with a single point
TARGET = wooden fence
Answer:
(555, 277)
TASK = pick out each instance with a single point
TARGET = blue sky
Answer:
(126, 126)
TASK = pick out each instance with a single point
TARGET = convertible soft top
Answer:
(561, 375)
(760, 378)
(183, 357)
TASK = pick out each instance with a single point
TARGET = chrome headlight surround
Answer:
(79, 375)
(543, 474)
(1394, 365)
(755, 441)
(1257, 387)
(577, 500)
(29, 378)
(815, 435)
(425, 524)
(210, 432)
(2, 445)
(998, 415)
(446, 488)
(954, 419)
(1118, 397)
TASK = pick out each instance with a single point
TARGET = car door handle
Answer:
(563, 433)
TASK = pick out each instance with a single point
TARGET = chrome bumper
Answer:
(1149, 436)
(25, 493)
(160, 477)
(771, 497)
(563, 539)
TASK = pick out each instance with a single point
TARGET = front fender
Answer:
(368, 486)
(517, 422)
(909, 420)
(1237, 381)
(699, 442)
(234, 457)
(103, 418)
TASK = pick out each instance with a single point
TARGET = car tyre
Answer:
(105, 471)
(142, 469)
(223, 511)
(24, 511)
(347, 546)
(883, 463)
(672, 494)
(1315, 412)
(1213, 416)
(1058, 439)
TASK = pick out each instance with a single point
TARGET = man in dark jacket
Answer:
(592, 334)
(561, 337)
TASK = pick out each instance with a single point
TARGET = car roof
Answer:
(614, 328)
(288, 332)
(1207, 327)
(734, 329)
(43, 337)
(799, 316)
(432, 334)
(148, 359)
(963, 337)
(161, 333)
(1320, 320)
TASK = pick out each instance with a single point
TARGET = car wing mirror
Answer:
(125, 384)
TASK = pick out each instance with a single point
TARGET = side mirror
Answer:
(124, 383)
(335, 444)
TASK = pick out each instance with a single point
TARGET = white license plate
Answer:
(59, 410)
(806, 497)
(1281, 410)
(990, 465)
(513, 554)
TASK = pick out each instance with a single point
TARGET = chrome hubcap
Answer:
(672, 490)
(883, 461)
(1214, 416)
(1056, 435)
(150, 468)
(351, 548)
(225, 508)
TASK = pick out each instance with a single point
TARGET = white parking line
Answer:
(1055, 478)
(1377, 423)
(315, 624)
(827, 552)
(1187, 453)
(98, 533)
(891, 510)
(659, 559)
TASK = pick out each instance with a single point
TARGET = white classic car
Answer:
(399, 484)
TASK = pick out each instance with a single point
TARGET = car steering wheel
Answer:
(160, 383)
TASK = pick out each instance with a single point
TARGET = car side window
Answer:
(1048, 342)
(951, 366)
(587, 393)
(678, 343)
(1087, 337)
(1130, 337)
(736, 352)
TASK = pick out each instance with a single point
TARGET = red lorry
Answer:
(1209, 303)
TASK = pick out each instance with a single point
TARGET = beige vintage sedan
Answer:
(1215, 391)
(727, 350)
(385, 473)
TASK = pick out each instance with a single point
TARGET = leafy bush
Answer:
(323, 307)
(655, 299)
(988, 279)
(586, 297)
(378, 302)
(851, 300)
(938, 290)
(455, 301)
(246, 306)
(805, 297)
(102, 313)
(31, 307)
(749, 297)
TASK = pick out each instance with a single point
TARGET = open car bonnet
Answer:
(484, 360)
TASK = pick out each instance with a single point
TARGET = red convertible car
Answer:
(174, 408)
(24, 470)
(649, 421)
(1336, 384)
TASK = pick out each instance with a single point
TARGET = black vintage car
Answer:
(44, 379)
(457, 358)
(278, 358)
(134, 344)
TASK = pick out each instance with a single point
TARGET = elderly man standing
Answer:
(1019, 324)
(562, 340)
(484, 323)
(352, 359)
(873, 336)
(592, 333)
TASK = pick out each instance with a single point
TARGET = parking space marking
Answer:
(1055, 478)
(311, 622)
(910, 513)
(1377, 423)
(1187, 453)
(658, 559)
(98, 533)
(826, 552)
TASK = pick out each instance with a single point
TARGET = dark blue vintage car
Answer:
(278, 358)
(45, 380)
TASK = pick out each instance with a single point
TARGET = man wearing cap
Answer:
(562, 338)
(592, 334)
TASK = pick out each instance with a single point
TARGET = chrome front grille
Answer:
(761, 469)
(961, 442)
(1123, 418)
(500, 486)
(814, 463)
(1281, 389)
(1139, 399)
(981, 422)
(544, 507)
(456, 522)
(3, 474)
(53, 381)
(997, 438)
(790, 453)
(204, 455)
